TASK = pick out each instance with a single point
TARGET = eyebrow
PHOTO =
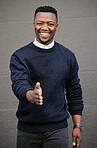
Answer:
(44, 21)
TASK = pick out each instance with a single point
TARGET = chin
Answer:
(44, 41)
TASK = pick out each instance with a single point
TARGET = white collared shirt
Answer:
(43, 46)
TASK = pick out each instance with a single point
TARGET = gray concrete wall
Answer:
(77, 31)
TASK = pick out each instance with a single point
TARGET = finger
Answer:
(74, 142)
(37, 85)
(41, 98)
(38, 88)
(78, 142)
(39, 102)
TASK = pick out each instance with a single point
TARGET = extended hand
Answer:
(35, 95)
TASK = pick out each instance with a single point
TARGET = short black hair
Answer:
(46, 9)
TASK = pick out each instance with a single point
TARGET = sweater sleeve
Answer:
(74, 90)
(20, 78)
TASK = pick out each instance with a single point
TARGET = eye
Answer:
(51, 24)
(39, 23)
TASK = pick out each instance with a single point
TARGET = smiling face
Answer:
(45, 26)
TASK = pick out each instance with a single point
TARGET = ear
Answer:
(33, 25)
(56, 26)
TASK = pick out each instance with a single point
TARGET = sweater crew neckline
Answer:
(43, 49)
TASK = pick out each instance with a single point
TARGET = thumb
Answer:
(37, 85)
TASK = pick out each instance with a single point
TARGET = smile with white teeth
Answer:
(44, 33)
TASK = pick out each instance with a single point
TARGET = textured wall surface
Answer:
(77, 31)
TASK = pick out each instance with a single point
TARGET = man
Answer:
(41, 73)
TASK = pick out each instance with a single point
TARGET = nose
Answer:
(45, 26)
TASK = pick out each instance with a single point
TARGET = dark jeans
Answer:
(55, 139)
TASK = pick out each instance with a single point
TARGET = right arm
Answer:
(20, 82)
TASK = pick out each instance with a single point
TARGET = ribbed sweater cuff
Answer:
(22, 93)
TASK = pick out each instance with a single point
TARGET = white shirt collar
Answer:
(43, 46)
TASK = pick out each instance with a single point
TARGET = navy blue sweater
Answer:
(57, 71)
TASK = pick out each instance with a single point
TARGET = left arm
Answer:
(74, 98)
